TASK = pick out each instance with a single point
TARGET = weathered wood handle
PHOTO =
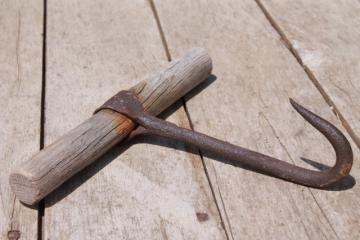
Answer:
(56, 163)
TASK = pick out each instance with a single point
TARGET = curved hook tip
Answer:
(342, 147)
(297, 106)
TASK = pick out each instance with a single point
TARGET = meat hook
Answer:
(127, 103)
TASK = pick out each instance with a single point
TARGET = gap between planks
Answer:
(161, 31)
(285, 40)
(168, 57)
(41, 204)
(209, 181)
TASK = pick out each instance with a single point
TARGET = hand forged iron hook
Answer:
(127, 103)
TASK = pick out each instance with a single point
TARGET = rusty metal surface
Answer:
(127, 103)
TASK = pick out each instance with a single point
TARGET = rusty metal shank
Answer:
(127, 103)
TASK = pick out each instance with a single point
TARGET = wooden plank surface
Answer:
(325, 37)
(21, 25)
(248, 105)
(147, 191)
(135, 192)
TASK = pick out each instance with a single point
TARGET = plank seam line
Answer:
(293, 162)
(210, 182)
(41, 204)
(322, 211)
(309, 74)
(168, 57)
(161, 31)
(220, 195)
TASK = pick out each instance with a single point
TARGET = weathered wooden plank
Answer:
(325, 37)
(21, 25)
(147, 192)
(248, 105)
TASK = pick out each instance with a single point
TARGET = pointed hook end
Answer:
(342, 147)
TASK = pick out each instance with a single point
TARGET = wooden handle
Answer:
(56, 163)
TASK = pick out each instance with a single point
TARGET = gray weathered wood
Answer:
(248, 105)
(324, 35)
(56, 163)
(21, 25)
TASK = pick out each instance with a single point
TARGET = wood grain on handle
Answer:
(56, 163)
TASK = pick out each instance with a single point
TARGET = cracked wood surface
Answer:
(136, 191)
(21, 25)
(256, 74)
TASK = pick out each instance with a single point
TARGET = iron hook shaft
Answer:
(129, 105)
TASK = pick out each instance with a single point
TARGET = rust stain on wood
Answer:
(202, 217)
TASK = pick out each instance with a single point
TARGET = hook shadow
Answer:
(346, 183)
